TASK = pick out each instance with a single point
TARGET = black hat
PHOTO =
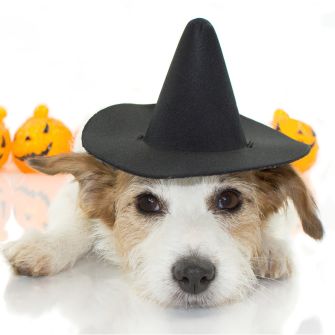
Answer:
(195, 128)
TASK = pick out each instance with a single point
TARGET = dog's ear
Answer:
(96, 179)
(77, 164)
(276, 184)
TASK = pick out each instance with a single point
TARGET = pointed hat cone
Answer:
(196, 109)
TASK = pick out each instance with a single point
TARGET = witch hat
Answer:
(195, 128)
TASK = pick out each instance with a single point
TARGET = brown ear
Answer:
(96, 179)
(279, 183)
(77, 164)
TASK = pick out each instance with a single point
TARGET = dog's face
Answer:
(186, 241)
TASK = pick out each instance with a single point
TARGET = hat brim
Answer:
(115, 136)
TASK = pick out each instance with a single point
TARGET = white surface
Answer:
(93, 298)
(80, 56)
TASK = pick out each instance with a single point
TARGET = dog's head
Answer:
(186, 241)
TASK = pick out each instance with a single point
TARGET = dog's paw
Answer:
(274, 263)
(29, 257)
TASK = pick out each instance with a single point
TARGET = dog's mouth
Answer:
(188, 301)
(33, 155)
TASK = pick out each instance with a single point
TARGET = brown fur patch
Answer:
(274, 186)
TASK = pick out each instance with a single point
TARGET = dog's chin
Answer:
(185, 300)
(208, 299)
(194, 301)
(204, 300)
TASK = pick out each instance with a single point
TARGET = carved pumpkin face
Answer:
(5, 143)
(299, 131)
(40, 135)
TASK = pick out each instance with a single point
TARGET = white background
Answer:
(81, 56)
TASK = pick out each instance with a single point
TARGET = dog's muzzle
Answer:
(193, 274)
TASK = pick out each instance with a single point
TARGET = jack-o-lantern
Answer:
(5, 143)
(5, 204)
(40, 135)
(299, 131)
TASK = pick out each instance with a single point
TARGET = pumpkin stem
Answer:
(280, 114)
(41, 111)
(3, 113)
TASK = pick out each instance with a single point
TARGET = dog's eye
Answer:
(148, 203)
(228, 200)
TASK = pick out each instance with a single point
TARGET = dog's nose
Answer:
(193, 274)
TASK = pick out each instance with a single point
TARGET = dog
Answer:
(199, 241)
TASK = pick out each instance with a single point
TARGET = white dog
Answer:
(182, 242)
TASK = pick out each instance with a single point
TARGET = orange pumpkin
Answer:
(40, 135)
(299, 131)
(5, 143)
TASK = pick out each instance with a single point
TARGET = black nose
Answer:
(193, 274)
